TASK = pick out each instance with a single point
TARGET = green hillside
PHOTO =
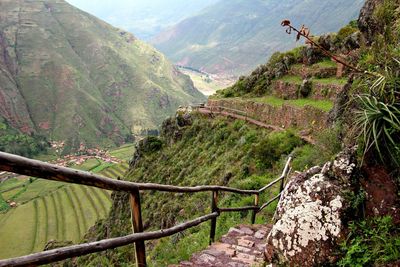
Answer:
(70, 76)
(233, 37)
(205, 151)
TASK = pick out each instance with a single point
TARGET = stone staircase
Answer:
(242, 246)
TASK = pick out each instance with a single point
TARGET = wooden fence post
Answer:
(281, 187)
(137, 227)
(254, 214)
(214, 208)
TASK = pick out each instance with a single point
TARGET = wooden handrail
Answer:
(268, 203)
(238, 209)
(29, 167)
(88, 248)
(35, 168)
(282, 177)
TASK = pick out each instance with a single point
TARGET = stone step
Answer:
(242, 246)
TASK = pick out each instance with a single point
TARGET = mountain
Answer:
(232, 37)
(145, 18)
(69, 76)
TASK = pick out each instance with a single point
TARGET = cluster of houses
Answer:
(77, 159)
(84, 155)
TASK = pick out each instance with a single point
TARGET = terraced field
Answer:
(50, 210)
(115, 171)
(65, 214)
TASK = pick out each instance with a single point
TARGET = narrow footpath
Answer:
(242, 246)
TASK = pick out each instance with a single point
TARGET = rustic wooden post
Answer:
(254, 214)
(214, 208)
(137, 227)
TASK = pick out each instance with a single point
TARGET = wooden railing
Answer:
(29, 167)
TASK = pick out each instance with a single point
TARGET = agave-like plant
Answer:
(379, 125)
(386, 85)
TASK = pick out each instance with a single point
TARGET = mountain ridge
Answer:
(70, 76)
(233, 38)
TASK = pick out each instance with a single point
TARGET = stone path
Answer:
(242, 246)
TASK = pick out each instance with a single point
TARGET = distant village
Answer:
(82, 155)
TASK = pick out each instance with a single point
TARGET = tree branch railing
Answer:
(29, 167)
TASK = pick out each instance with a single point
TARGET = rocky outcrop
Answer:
(381, 198)
(367, 23)
(312, 215)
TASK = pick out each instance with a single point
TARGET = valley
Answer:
(232, 37)
(143, 18)
(268, 134)
(207, 83)
(68, 76)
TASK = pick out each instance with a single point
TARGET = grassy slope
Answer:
(216, 151)
(80, 78)
(324, 105)
(236, 36)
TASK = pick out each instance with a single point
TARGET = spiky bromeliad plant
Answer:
(379, 125)
(378, 114)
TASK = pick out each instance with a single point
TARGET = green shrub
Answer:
(151, 144)
(344, 33)
(274, 147)
(305, 157)
(327, 146)
(371, 242)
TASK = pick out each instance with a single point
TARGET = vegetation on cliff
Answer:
(202, 151)
(15, 142)
(378, 96)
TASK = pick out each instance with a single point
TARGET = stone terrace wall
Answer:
(288, 90)
(307, 118)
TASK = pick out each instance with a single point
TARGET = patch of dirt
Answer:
(381, 191)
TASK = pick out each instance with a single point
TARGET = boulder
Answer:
(312, 215)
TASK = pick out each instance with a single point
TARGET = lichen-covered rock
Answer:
(312, 215)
